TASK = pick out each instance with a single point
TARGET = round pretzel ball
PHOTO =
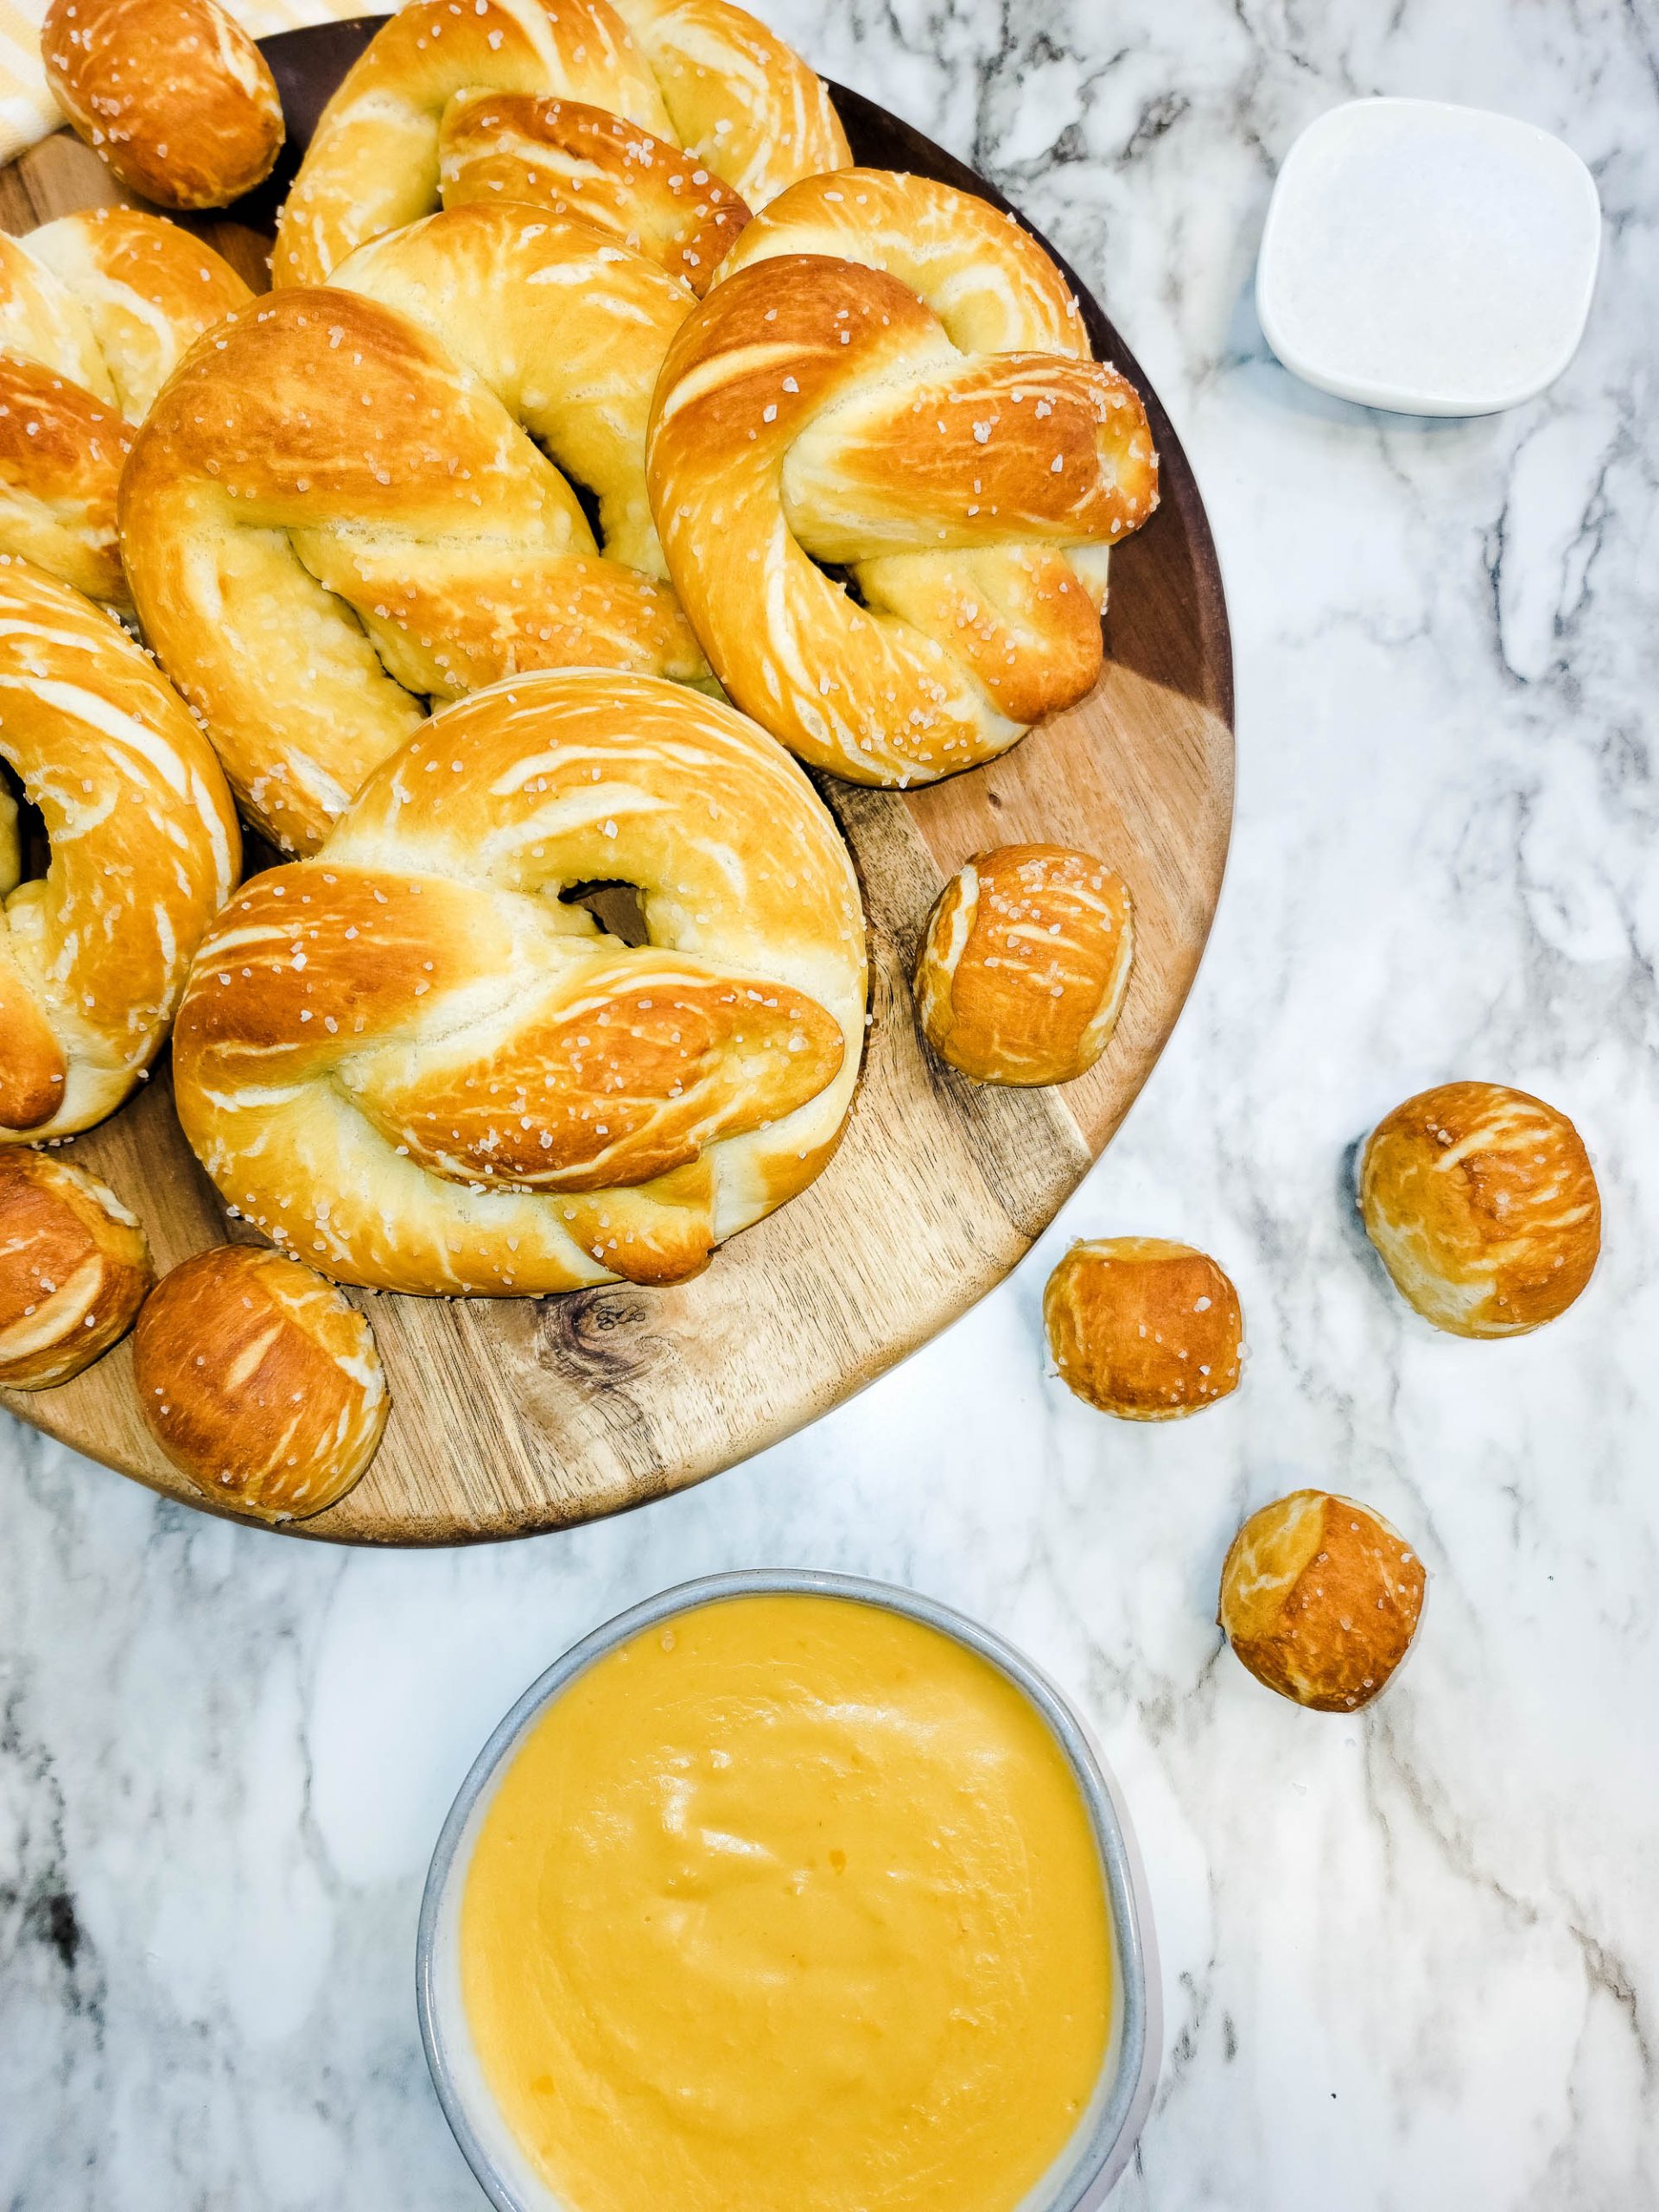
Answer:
(1483, 1204)
(74, 1266)
(1321, 1600)
(259, 1380)
(173, 94)
(1025, 963)
(1143, 1328)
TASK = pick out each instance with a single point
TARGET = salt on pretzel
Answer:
(96, 312)
(699, 74)
(580, 160)
(173, 94)
(890, 380)
(343, 504)
(143, 851)
(411, 1062)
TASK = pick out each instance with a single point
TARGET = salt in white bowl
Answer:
(1427, 258)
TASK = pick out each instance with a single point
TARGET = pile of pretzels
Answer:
(609, 451)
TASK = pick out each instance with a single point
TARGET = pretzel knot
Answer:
(142, 849)
(817, 413)
(413, 1062)
(96, 312)
(699, 74)
(343, 506)
(580, 160)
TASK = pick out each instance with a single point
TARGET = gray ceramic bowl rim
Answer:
(1100, 2157)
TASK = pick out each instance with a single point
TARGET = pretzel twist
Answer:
(340, 508)
(580, 160)
(96, 312)
(410, 1061)
(143, 851)
(701, 74)
(920, 411)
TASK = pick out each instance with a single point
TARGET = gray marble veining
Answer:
(1411, 1959)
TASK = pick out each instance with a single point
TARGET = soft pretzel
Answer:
(580, 160)
(921, 410)
(339, 508)
(260, 1381)
(699, 73)
(408, 1061)
(1024, 964)
(96, 312)
(1142, 1328)
(1321, 1598)
(173, 93)
(74, 1268)
(1483, 1205)
(737, 98)
(143, 851)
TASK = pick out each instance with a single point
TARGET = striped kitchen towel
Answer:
(28, 111)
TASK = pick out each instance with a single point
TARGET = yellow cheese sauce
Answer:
(790, 1905)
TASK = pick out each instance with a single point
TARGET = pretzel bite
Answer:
(173, 94)
(260, 1381)
(74, 1266)
(1143, 1328)
(1321, 1600)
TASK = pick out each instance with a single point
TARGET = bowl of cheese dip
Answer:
(795, 1893)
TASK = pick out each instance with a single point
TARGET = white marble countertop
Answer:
(1411, 1958)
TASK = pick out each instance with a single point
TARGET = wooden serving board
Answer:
(514, 1416)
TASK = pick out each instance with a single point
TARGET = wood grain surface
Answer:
(514, 1416)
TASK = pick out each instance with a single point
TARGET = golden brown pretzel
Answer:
(921, 412)
(411, 1062)
(1484, 1205)
(580, 160)
(96, 312)
(1321, 1598)
(74, 1266)
(173, 93)
(259, 1380)
(1142, 1328)
(143, 851)
(339, 508)
(1024, 964)
(700, 74)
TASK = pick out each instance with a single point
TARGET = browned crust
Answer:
(32, 1067)
(1321, 1598)
(260, 1381)
(145, 850)
(1483, 1203)
(1024, 964)
(62, 453)
(617, 1075)
(74, 1268)
(813, 412)
(763, 121)
(337, 508)
(583, 161)
(1142, 1328)
(173, 94)
(153, 283)
(96, 310)
(409, 1060)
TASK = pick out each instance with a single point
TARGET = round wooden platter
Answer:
(511, 1416)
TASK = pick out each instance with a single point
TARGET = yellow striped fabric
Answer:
(28, 111)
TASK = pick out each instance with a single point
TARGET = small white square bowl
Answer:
(1428, 258)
